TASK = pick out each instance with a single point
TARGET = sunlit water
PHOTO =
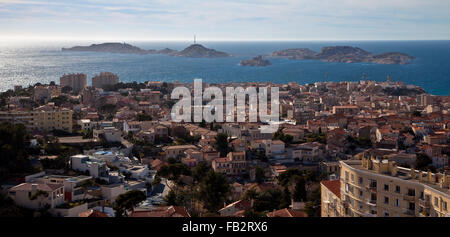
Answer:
(28, 63)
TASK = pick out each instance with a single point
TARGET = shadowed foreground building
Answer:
(379, 188)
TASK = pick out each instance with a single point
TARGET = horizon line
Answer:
(22, 38)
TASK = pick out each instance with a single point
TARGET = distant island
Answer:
(200, 51)
(345, 54)
(117, 48)
(258, 61)
(193, 51)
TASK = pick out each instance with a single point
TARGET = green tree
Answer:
(259, 175)
(423, 161)
(285, 198)
(312, 206)
(213, 190)
(14, 146)
(222, 144)
(126, 202)
(200, 171)
(300, 190)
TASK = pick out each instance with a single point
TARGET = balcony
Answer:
(424, 203)
(409, 212)
(424, 214)
(408, 197)
(372, 189)
(372, 202)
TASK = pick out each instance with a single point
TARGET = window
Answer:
(436, 201)
(397, 189)
(373, 197)
(411, 192)
(386, 200)
(373, 183)
(444, 205)
(386, 213)
(386, 187)
(360, 181)
(346, 175)
(353, 177)
(397, 202)
(360, 193)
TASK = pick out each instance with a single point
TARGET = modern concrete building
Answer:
(42, 118)
(76, 81)
(104, 79)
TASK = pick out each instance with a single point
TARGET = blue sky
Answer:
(226, 19)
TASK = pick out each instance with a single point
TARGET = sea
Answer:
(26, 63)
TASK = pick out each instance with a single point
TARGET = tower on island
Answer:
(195, 40)
(389, 79)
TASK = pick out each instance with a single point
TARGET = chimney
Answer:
(429, 176)
(412, 173)
(34, 187)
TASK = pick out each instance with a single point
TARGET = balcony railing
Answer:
(409, 212)
(424, 203)
(407, 197)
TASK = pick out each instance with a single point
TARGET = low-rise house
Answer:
(175, 151)
(232, 208)
(286, 212)
(110, 134)
(94, 167)
(37, 195)
(162, 211)
(274, 148)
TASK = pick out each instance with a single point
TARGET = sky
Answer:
(226, 19)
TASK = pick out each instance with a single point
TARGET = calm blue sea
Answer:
(31, 62)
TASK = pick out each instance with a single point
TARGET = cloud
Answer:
(302, 19)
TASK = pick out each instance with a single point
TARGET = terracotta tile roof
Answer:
(334, 186)
(43, 187)
(163, 211)
(92, 213)
(286, 213)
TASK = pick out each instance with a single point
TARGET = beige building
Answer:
(42, 118)
(27, 195)
(105, 78)
(379, 188)
(234, 164)
(76, 81)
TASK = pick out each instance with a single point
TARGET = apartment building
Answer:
(104, 79)
(379, 188)
(234, 164)
(76, 81)
(43, 119)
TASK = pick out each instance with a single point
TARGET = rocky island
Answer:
(193, 51)
(118, 48)
(200, 51)
(345, 54)
(257, 61)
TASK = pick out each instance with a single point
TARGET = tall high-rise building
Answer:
(105, 78)
(76, 81)
(424, 100)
